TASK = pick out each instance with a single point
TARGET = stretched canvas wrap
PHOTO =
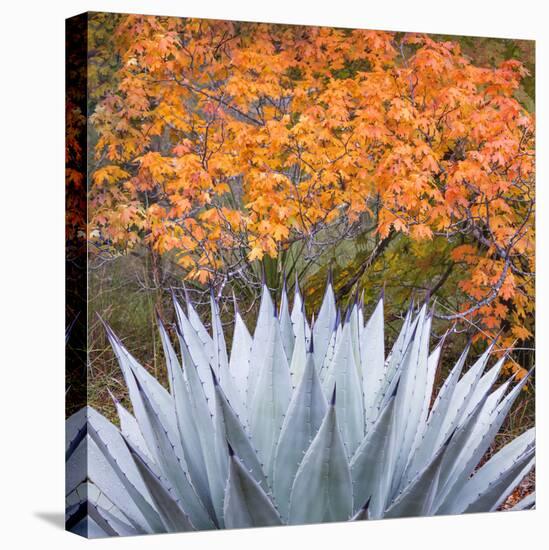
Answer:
(300, 275)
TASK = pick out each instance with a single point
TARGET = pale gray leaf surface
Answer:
(198, 353)
(220, 358)
(271, 400)
(75, 430)
(322, 489)
(130, 429)
(113, 449)
(489, 475)
(205, 425)
(492, 415)
(188, 433)
(299, 356)
(493, 496)
(324, 325)
(286, 327)
(410, 395)
(112, 525)
(260, 343)
(239, 439)
(418, 497)
(168, 505)
(239, 363)
(197, 325)
(349, 399)
(433, 434)
(175, 469)
(373, 361)
(371, 464)
(305, 413)
(246, 503)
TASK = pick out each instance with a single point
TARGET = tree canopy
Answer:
(227, 144)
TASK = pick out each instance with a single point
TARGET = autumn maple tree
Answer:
(225, 144)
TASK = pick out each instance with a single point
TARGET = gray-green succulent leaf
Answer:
(301, 422)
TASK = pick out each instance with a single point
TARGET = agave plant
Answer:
(301, 423)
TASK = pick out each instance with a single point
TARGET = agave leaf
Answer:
(153, 467)
(131, 370)
(355, 330)
(492, 414)
(298, 313)
(74, 425)
(92, 530)
(260, 343)
(76, 466)
(299, 357)
(175, 468)
(221, 456)
(305, 413)
(324, 325)
(130, 428)
(361, 314)
(76, 521)
(80, 523)
(271, 400)
(112, 525)
(225, 377)
(482, 387)
(417, 498)
(406, 457)
(396, 355)
(246, 503)
(371, 464)
(239, 364)
(373, 361)
(75, 430)
(166, 502)
(432, 365)
(146, 393)
(327, 365)
(433, 435)
(411, 395)
(85, 492)
(76, 516)
(494, 475)
(137, 377)
(220, 357)
(196, 324)
(226, 381)
(78, 506)
(362, 514)
(461, 438)
(497, 493)
(154, 388)
(198, 353)
(286, 328)
(207, 427)
(349, 400)
(459, 408)
(190, 440)
(395, 360)
(322, 489)
(76, 497)
(107, 440)
(238, 438)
